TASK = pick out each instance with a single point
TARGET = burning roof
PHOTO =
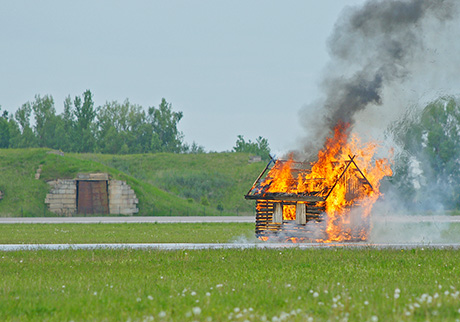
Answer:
(346, 176)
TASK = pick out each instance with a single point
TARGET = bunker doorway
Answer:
(92, 197)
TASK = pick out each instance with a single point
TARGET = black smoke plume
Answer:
(371, 48)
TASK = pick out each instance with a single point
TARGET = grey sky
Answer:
(233, 67)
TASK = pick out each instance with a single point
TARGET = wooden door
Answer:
(92, 197)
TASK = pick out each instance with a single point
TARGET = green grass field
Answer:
(230, 285)
(425, 233)
(288, 284)
(124, 233)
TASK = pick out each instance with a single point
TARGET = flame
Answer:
(346, 175)
(289, 212)
(280, 178)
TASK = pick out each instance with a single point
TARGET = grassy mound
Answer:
(165, 184)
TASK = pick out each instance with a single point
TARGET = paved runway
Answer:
(202, 219)
(133, 219)
(229, 219)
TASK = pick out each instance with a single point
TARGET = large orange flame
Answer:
(346, 174)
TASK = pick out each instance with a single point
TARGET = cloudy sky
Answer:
(233, 67)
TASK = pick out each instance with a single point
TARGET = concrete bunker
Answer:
(93, 193)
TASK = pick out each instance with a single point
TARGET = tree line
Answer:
(113, 128)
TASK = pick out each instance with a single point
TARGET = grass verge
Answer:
(230, 285)
(124, 233)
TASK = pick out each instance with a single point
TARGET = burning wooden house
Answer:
(329, 200)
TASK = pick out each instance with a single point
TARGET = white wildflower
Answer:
(150, 297)
(366, 302)
(162, 314)
(236, 309)
(138, 299)
(196, 310)
(284, 316)
(315, 294)
(374, 318)
(193, 293)
(208, 294)
(219, 285)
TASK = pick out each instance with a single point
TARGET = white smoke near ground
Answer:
(387, 56)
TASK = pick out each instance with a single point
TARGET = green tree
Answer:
(66, 137)
(194, 148)
(26, 137)
(260, 147)
(45, 120)
(167, 137)
(4, 130)
(427, 168)
(123, 127)
(85, 115)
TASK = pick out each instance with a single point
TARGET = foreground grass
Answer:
(125, 233)
(423, 233)
(230, 285)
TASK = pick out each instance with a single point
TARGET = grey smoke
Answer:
(372, 48)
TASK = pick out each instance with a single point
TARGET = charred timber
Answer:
(285, 197)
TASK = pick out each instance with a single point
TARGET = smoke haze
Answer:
(384, 56)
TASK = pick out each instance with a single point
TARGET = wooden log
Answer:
(285, 197)
(300, 213)
(278, 213)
